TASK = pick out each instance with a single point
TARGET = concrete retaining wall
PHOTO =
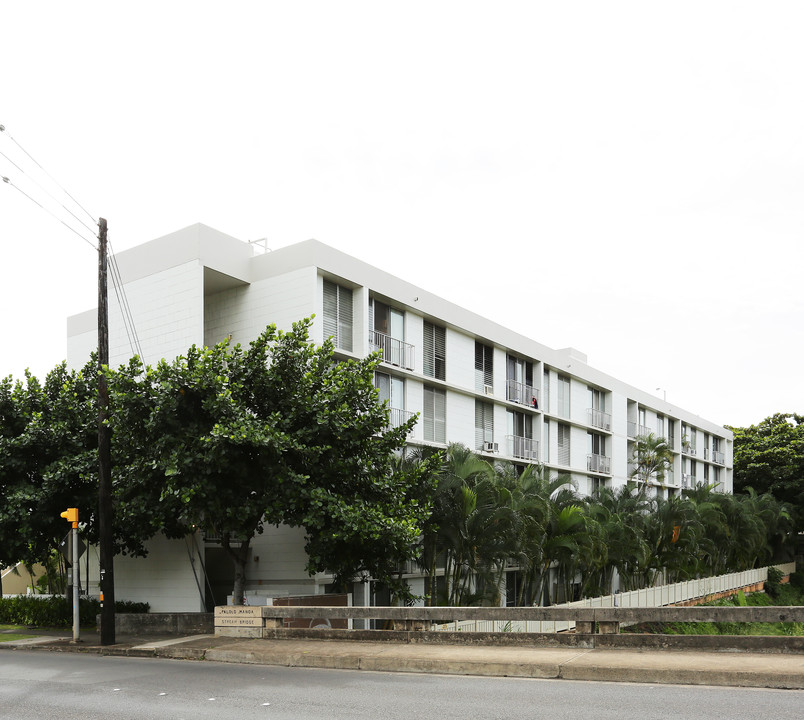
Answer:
(163, 623)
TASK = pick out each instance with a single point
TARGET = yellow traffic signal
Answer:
(71, 515)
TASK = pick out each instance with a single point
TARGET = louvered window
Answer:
(563, 433)
(484, 423)
(484, 367)
(435, 351)
(563, 396)
(338, 315)
(435, 414)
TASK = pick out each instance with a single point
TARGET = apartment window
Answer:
(596, 444)
(706, 474)
(391, 390)
(716, 473)
(520, 435)
(563, 396)
(435, 414)
(435, 351)
(660, 426)
(388, 334)
(519, 381)
(643, 421)
(563, 437)
(671, 433)
(338, 315)
(484, 367)
(546, 390)
(484, 425)
(546, 440)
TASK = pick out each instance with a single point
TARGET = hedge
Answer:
(57, 611)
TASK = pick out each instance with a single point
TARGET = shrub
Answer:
(57, 611)
(774, 582)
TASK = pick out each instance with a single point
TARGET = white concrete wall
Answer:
(167, 308)
(244, 311)
(164, 579)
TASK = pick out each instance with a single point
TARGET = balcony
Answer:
(632, 429)
(394, 352)
(522, 447)
(521, 393)
(598, 418)
(688, 481)
(397, 417)
(718, 457)
(598, 464)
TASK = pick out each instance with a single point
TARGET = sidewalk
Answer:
(768, 670)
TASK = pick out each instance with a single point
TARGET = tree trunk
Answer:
(239, 555)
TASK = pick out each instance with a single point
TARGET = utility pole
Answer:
(107, 634)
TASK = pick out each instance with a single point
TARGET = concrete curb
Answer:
(731, 669)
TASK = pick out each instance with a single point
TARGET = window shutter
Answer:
(563, 444)
(344, 318)
(331, 311)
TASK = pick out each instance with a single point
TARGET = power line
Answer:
(125, 307)
(89, 214)
(72, 229)
(44, 190)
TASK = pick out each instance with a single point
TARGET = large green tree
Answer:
(769, 457)
(232, 439)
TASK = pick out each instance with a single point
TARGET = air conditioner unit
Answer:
(488, 389)
(491, 447)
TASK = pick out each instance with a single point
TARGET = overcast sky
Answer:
(622, 177)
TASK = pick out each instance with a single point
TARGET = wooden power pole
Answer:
(107, 634)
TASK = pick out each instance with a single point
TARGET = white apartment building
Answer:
(471, 380)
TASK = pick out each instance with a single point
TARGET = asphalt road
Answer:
(41, 685)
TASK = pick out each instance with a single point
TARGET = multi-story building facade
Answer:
(470, 380)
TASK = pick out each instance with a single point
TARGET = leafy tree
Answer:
(231, 439)
(769, 457)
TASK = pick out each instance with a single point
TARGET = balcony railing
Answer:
(522, 447)
(718, 457)
(396, 417)
(688, 481)
(394, 352)
(632, 429)
(521, 393)
(598, 418)
(598, 464)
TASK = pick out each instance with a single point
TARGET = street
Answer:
(40, 685)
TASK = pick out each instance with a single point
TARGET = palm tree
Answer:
(651, 457)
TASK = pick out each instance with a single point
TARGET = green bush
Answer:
(774, 582)
(797, 581)
(57, 611)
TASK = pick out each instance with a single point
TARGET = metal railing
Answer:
(598, 463)
(522, 447)
(718, 457)
(598, 418)
(396, 416)
(394, 352)
(632, 429)
(522, 394)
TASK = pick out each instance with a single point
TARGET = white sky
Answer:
(623, 177)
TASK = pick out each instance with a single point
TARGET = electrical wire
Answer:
(125, 307)
(36, 202)
(10, 137)
(50, 195)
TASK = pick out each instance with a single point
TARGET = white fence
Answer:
(657, 596)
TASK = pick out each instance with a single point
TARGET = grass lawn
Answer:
(8, 637)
